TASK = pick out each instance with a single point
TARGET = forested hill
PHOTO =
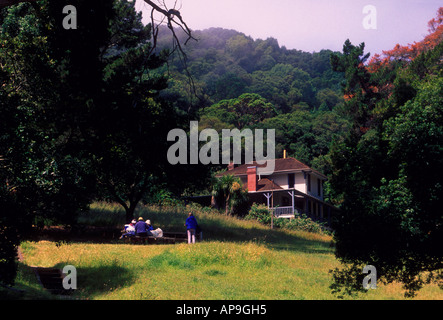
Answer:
(292, 91)
(227, 63)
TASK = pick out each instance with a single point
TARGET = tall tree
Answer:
(358, 88)
(387, 180)
(77, 105)
(129, 138)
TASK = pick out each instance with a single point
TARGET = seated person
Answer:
(149, 226)
(129, 230)
(141, 228)
(157, 233)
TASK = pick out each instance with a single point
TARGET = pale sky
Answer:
(311, 25)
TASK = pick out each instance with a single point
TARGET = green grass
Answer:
(238, 260)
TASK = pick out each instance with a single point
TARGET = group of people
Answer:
(138, 228)
(143, 228)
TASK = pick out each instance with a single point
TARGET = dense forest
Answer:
(238, 82)
(226, 63)
(85, 116)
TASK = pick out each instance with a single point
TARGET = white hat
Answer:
(148, 221)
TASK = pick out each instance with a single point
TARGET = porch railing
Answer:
(289, 212)
(284, 211)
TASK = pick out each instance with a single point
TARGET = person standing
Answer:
(191, 226)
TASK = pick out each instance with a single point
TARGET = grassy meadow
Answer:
(238, 259)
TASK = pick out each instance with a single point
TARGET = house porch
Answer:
(289, 203)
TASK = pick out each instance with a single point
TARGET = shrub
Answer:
(305, 223)
(261, 213)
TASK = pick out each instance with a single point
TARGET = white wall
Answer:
(314, 186)
(280, 179)
(300, 183)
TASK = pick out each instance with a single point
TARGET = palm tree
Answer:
(228, 189)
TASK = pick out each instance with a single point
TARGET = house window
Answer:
(308, 176)
(291, 180)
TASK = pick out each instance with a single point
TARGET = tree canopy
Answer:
(82, 117)
(385, 175)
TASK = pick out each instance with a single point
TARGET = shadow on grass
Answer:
(91, 281)
(26, 286)
(95, 280)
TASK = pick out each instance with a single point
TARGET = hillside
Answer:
(230, 70)
(237, 260)
(227, 63)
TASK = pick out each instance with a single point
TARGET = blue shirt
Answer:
(140, 227)
(191, 223)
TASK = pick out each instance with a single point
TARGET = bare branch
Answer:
(173, 16)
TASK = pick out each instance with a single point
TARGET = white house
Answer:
(293, 188)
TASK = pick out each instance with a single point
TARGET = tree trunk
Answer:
(214, 203)
(227, 205)
(130, 212)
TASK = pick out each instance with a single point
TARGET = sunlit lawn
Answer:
(256, 263)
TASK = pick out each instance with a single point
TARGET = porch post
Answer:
(268, 196)
(292, 195)
(272, 213)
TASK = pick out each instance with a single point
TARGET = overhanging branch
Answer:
(173, 16)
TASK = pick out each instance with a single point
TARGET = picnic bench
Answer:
(167, 238)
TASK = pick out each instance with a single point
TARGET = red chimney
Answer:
(231, 166)
(252, 179)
